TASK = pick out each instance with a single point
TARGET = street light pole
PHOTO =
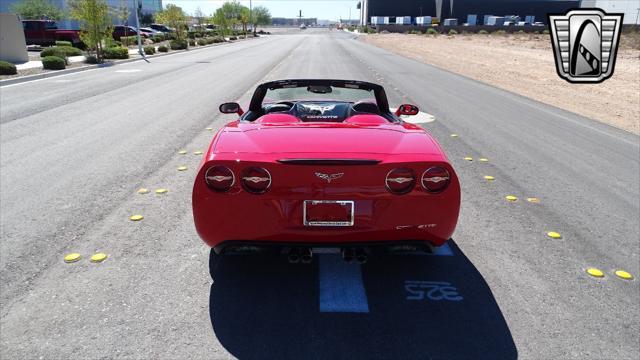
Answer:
(137, 7)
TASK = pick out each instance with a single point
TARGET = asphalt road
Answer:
(76, 148)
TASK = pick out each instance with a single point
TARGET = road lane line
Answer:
(341, 286)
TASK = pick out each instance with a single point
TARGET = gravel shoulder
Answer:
(524, 64)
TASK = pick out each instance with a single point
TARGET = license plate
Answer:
(328, 213)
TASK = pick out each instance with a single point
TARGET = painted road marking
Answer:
(128, 71)
(341, 286)
(326, 250)
(444, 250)
(431, 290)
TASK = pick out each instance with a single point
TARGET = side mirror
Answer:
(407, 109)
(231, 108)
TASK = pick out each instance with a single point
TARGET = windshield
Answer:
(319, 93)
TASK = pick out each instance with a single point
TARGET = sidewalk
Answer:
(32, 70)
(33, 64)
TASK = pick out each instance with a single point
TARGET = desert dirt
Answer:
(524, 64)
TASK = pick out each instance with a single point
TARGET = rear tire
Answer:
(214, 260)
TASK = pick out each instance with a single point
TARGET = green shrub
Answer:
(53, 63)
(218, 39)
(61, 52)
(163, 48)
(431, 31)
(203, 42)
(116, 52)
(178, 44)
(149, 49)
(192, 42)
(129, 40)
(500, 32)
(453, 32)
(7, 68)
(157, 38)
(483, 32)
(233, 38)
(63, 43)
(91, 59)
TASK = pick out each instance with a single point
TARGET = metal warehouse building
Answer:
(459, 9)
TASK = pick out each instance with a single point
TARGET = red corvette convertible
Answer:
(317, 163)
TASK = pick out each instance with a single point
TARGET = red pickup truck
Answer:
(46, 32)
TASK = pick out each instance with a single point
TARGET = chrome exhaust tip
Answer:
(347, 255)
(294, 256)
(361, 256)
(307, 256)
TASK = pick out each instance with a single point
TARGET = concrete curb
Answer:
(45, 75)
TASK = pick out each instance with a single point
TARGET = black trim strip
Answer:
(266, 244)
(329, 161)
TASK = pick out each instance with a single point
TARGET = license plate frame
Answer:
(349, 222)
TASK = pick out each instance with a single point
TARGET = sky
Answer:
(325, 9)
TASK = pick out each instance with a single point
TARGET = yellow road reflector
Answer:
(136, 217)
(454, 135)
(554, 235)
(182, 168)
(98, 257)
(489, 177)
(533, 200)
(483, 160)
(623, 275)
(143, 191)
(161, 191)
(595, 272)
(182, 152)
(197, 152)
(209, 129)
(511, 198)
(73, 257)
(468, 158)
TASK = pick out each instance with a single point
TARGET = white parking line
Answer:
(341, 286)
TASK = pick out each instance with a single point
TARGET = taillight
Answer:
(219, 178)
(435, 179)
(400, 181)
(256, 180)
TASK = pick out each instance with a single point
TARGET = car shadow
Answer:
(412, 306)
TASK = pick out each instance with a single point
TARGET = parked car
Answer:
(162, 28)
(149, 32)
(46, 32)
(324, 163)
(122, 30)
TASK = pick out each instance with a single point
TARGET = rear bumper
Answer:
(263, 219)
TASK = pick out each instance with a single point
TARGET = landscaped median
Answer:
(62, 58)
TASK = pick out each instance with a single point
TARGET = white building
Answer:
(630, 8)
(148, 6)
